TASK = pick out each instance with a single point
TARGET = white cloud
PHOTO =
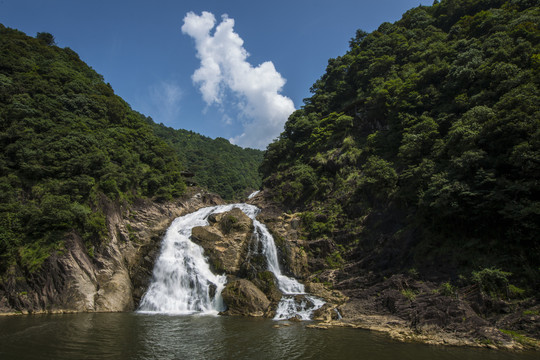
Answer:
(224, 66)
(227, 120)
(165, 101)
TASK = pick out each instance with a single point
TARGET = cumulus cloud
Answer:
(224, 67)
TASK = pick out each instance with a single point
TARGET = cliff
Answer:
(108, 278)
(408, 306)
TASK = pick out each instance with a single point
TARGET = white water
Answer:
(253, 194)
(182, 279)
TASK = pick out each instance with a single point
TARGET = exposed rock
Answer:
(231, 248)
(225, 241)
(411, 310)
(267, 283)
(285, 230)
(244, 298)
(326, 313)
(330, 296)
(118, 273)
(368, 294)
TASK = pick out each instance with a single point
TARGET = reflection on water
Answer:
(140, 336)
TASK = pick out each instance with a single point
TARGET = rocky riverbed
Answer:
(405, 306)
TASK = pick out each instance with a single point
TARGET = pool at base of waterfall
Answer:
(138, 336)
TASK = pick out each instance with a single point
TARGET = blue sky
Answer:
(141, 49)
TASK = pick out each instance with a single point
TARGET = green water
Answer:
(137, 336)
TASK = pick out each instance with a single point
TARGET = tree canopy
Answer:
(431, 123)
(217, 165)
(69, 144)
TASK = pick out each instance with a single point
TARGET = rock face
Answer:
(118, 273)
(361, 293)
(231, 248)
(225, 240)
(285, 228)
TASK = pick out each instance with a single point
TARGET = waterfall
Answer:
(291, 304)
(253, 194)
(183, 283)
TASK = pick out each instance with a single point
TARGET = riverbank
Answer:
(407, 306)
(411, 310)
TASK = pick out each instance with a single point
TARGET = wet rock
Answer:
(267, 283)
(291, 249)
(331, 296)
(212, 290)
(242, 297)
(326, 313)
(295, 319)
(303, 301)
(225, 241)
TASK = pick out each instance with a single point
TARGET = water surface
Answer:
(143, 336)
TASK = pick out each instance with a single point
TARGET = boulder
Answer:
(242, 297)
(267, 283)
(225, 241)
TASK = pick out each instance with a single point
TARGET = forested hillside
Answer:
(68, 143)
(66, 140)
(217, 165)
(420, 147)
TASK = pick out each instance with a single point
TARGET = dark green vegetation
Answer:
(420, 147)
(225, 169)
(67, 140)
(69, 145)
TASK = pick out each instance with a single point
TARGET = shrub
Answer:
(447, 289)
(409, 294)
(228, 223)
(492, 281)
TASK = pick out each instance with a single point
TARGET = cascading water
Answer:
(183, 283)
(291, 304)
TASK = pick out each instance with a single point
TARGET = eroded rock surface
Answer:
(225, 240)
(109, 277)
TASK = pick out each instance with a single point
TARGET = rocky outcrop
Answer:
(359, 295)
(231, 248)
(411, 310)
(108, 277)
(244, 298)
(225, 240)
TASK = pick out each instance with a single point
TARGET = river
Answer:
(144, 336)
(161, 329)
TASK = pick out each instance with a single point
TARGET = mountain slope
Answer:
(66, 140)
(420, 147)
(217, 165)
(70, 146)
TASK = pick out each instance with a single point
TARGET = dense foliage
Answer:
(67, 141)
(425, 134)
(219, 166)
